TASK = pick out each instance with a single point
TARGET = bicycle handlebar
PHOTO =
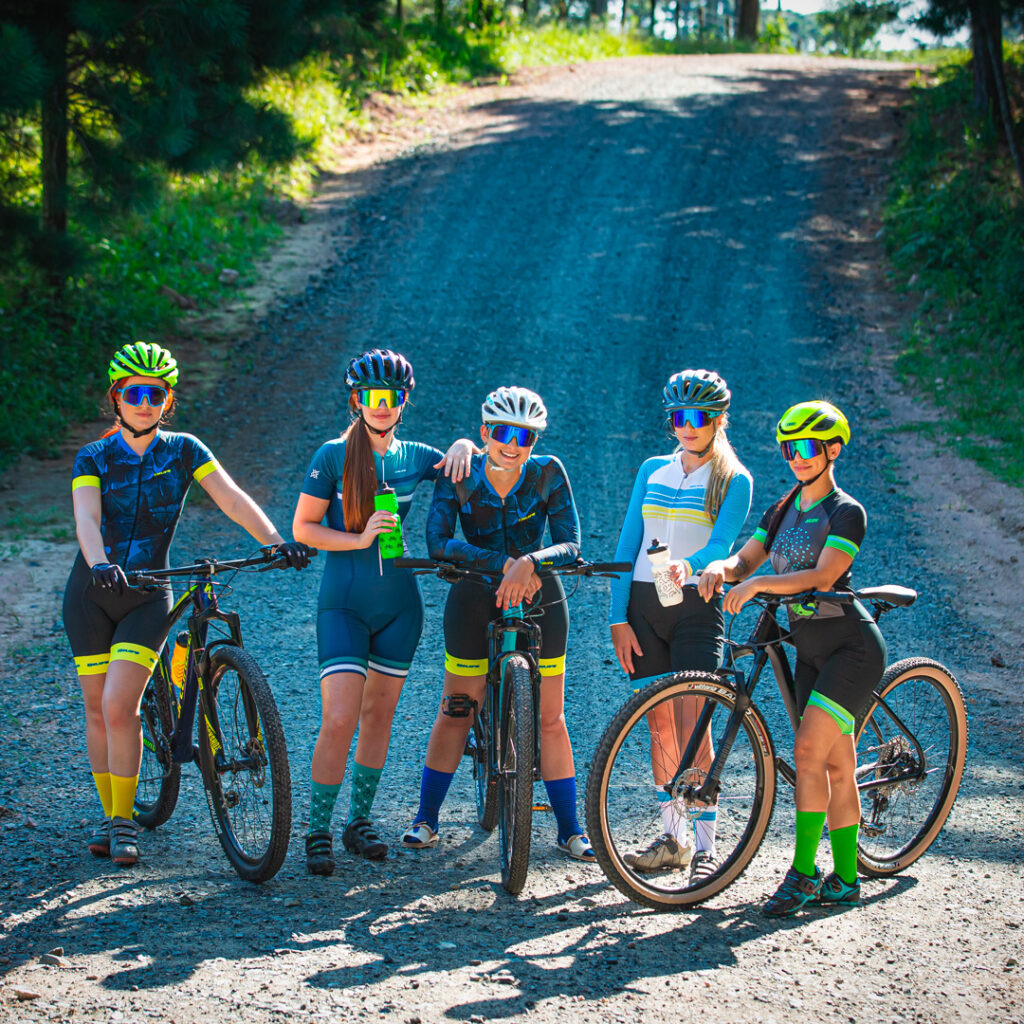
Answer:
(210, 567)
(422, 565)
(891, 594)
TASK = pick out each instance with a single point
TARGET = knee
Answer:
(806, 755)
(552, 721)
(337, 722)
(376, 718)
(117, 713)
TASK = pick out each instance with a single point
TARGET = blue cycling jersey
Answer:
(141, 495)
(495, 528)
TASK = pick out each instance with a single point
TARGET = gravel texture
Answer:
(583, 232)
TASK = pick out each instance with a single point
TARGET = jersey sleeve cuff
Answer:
(84, 481)
(205, 470)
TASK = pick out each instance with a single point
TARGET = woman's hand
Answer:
(626, 645)
(457, 459)
(680, 571)
(380, 522)
(711, 580)
(740, 594)
(519, 583)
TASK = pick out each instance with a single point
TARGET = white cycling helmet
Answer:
(519, 406)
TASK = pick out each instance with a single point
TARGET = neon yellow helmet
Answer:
(143, 359)
(819, 420)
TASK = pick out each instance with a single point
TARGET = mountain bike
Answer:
(504, 741)
(241, 748)
(911, 741)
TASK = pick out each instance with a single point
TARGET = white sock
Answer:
(675, 820)
(704, 826)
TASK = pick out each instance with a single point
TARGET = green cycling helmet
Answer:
(819, 420)
(143, 359)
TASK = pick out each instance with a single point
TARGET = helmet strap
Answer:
(818, 476)
(381, 433)
(131, 430)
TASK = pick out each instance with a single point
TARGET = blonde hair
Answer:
(724, 466)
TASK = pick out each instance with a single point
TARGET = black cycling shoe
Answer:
(796, 892)
(320, 853)
(361, 837)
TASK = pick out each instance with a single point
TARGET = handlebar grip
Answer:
(415, 563)
(610, 567)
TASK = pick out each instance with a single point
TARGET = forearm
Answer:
(244, 511)
(90, 540)
(316, 535)
(796, 582)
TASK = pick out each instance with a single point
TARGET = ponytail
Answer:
(359, 477)
(778, 511)
(724, 466)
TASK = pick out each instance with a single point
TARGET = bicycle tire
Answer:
(486, 784)
(515, 772)
(622, 813)
(926, 696)
(240, 719)
(159, 774)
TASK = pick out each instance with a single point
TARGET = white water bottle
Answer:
(669, 592)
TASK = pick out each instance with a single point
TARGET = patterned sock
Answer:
(103, 788)
(322, 797)
(808, 834)
(844, 851)
(364, 789)
(433, 789)
(705, 826)
(122, 795)
(562, 797)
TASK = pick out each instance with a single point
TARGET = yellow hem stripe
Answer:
(92, 664)
(205, 470)
(551, 666)
(84, 481)
(136, 653)
(464, 666)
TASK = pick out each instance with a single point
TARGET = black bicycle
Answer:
(504, 742)
(911, 749)
(241, 748)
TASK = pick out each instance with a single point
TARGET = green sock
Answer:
(808, 835)
(321, 805)
(364, 789)
(844, 852)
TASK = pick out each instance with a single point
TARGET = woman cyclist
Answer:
(812, 536)
(503, 506)
(128, 491)
(370, 614)
(695, 502)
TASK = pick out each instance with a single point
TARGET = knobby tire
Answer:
(485, 782)
(159, 775)
(515, 772)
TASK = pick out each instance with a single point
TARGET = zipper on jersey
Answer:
(135, 518)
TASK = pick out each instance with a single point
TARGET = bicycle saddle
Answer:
(898, 597)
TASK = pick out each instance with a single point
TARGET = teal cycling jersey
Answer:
(402, 467)
(141, 496)
(496, 528)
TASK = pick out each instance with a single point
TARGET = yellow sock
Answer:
(122, 789)
(103, 788)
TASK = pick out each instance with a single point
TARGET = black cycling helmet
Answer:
(696, 389)
(380, 368)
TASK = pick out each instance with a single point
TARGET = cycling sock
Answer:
(122, 795)
(562, 797)
(808, 835)
(433, 789)
(705, 826)
(844, 851)
(322, 798)
(103, 788)
(364, 789)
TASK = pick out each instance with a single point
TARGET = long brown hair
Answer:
(113, 408)
(359, 477)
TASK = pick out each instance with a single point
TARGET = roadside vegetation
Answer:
(954, 229)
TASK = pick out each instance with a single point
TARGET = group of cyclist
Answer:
(129, 489)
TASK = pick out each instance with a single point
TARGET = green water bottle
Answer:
(391, 545)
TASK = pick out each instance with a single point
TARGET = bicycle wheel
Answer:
(478, 748)
(634, 759)
(901, 819)
(159, 774)
(245, 765)
(515, 772)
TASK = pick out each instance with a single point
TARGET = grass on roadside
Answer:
(954, 229)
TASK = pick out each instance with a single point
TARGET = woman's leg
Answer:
(843, 808)
(376, 715)
(122, 694)
(815, 739)
(341, 695)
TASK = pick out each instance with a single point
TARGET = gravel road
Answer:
(585, 232)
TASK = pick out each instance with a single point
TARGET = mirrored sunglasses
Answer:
(691, 418)
(136, 394)
(803, 448)
(505, 433)
(374, 398)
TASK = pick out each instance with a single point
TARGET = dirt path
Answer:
(583, 231)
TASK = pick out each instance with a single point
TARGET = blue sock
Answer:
(562, 797)
(433, 790)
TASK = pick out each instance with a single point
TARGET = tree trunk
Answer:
(55, 130)
(747, 21)
(399, 13)
(983, 24)
(675, 17)
(996, 59)
(439, 13)
(625, 8)
(599, 8)
(654, 14)
(700, 20)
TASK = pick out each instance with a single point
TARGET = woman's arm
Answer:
(308, 528)
(631, 536)
(456, 462)
(831, 564)
(731, 516)
(737, 567)
(441, 542)
(88, 518)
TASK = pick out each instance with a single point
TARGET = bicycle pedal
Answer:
(542, 807)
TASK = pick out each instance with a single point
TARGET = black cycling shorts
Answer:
(103, 627)
(841, 658)
(679, 638)
(470, 607)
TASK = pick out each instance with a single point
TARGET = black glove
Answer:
(109, 577)
(295, 555)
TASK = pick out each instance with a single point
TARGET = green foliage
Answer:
(954, 229)
(852, 25)
(775, 37)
